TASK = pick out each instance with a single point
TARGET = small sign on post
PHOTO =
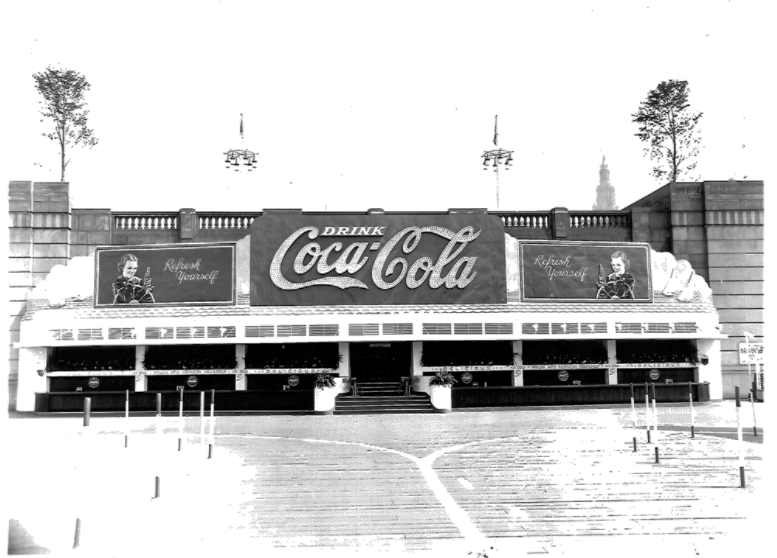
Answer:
(751, 353)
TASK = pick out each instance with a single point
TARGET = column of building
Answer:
(39, 240)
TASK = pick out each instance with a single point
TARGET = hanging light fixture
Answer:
(236, 157)
(498, 157)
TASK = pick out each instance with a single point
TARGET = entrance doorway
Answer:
(381, 362)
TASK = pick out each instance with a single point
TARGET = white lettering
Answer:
(352, 259)
(281, 282)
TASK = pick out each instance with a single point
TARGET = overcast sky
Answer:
(353, 105)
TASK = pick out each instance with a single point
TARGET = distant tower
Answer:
(605, 192)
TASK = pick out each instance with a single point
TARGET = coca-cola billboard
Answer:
(165, 275)
(310, 260)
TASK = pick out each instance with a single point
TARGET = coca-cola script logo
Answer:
(386, 274)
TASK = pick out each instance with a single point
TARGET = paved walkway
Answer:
(522, 481)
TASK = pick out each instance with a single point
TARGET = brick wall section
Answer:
(20, 276)
(734, 222)
(50, 226)
(689, 241)
(90, 228)
(652, 226)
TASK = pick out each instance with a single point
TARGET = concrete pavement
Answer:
(526, 480)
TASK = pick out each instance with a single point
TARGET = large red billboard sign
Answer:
(311, 260)
(165, 275)
(585, 271)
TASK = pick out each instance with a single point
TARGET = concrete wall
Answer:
(734, 223)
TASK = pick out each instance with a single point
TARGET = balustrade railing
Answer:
(226, 220)
(599, 220)
(145, 221)
(139, 221)
(524, 219)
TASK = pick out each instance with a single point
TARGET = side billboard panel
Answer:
(585, 271)
(165, 274)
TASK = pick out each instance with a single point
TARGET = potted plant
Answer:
(324, 393)
(440, 391)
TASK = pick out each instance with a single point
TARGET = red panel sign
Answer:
(165, 274)
(311, 260)
(585, 271)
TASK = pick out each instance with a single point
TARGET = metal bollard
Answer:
(77, 536)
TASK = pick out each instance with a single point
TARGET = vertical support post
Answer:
(212, 422)
(202, 417)
(647, 411)
(518, 361)
(156, 487)
(633, 418)
(141, 382)
(240, 372)
(344, 370)
(180, 421)
(656, 454)
(655, 413)
(612, 361)
(87, 410)
(740, 448)
(158, 413)
(126, 418)
(690, 400)
(752, 404)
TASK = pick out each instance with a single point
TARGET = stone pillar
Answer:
(344, 370)
(50, 225)
(187, 224)
(518, 372)
(32, 378)
(240, 372)
(140, 373)
(560, 222)
(612, 362)
(418, 369)
(418, 382)
(20, 276)
(711, 372)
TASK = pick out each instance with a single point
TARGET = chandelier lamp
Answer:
(236, 157)
(240, 158)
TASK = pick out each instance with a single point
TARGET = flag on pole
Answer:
(241, 126)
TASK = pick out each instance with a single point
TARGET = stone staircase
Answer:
(381, 398)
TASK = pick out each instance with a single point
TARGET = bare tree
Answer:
(63, 102)
(668, 126)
